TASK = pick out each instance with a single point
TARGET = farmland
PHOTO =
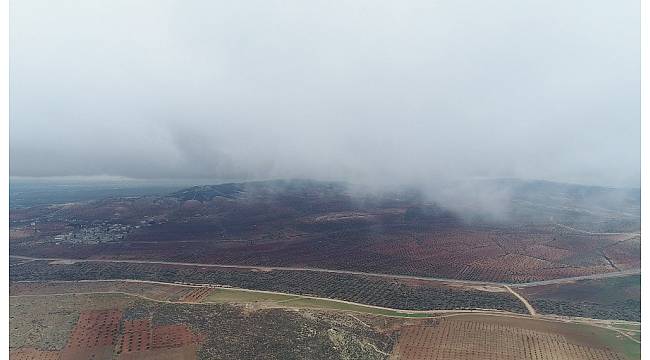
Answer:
(177, 293)
(392, 293)
(152, 291)
(151, 330)
(327, 225)
(123, 326)
(613, 298)
(481, 337)
(306, 269)
(54, 320)
(505, 255)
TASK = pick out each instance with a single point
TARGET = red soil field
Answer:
(94, 335)
(136, 336)
(140, 340)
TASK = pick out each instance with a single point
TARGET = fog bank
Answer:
(374, 92)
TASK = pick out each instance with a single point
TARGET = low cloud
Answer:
(382, 93)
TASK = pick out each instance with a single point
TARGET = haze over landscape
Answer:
(370, 92)
(412, 180)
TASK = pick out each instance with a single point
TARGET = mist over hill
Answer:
(495, 201)
(499, 200)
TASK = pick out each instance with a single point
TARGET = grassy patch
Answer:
(616, 341)
(632, 327)
(622, 344)
(234, 295)
(336, 305)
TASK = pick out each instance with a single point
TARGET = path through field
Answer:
(70, 288)
(528, 306)
(383, 275)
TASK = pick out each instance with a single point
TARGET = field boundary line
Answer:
(437, 315)
(21, 263)
(295, 296)
(634, 234)
(600, 323)
(359, 320)
(605, 323)
(349, 272)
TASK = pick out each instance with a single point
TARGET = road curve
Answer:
(605, 324)
(212, 286)
(350, 272)
(528, 306)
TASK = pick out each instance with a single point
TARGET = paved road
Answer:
(383, 275)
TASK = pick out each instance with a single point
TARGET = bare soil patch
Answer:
(33, 354)
(94, 335)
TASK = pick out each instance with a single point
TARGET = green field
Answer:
(627, 326)
(23, 319)
(611, 338)
(616, 341)
(335, 305)
(234, 295)
(243, 296)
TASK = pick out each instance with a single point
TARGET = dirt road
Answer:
(528, 306)
(383, 275)
(606, 324)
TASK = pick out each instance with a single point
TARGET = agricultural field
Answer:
(152, 291)
(385, 292)
(502, 255)
(120, 326)
(306, 269)
(117, 326)
(611, 298)
(466, 337)
(179, 294)
(32, 319)
(97, 335)
(550, 231)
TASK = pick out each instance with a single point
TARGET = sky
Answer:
(382, 92)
